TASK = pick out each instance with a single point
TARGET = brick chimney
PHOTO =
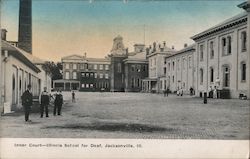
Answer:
(173, 47)
(3, 34)
(185, 45)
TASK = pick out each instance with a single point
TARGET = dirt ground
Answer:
(135, 115)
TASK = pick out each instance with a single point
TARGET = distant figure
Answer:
(165, 92)
(27, 100)
(215, 93)
(191, 91)
(58, 103)
(168, 91)
(44, 100)
(73, 97)
(181, 92)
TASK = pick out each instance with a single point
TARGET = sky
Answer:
(66, 27)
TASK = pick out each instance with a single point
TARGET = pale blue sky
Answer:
(64, 27)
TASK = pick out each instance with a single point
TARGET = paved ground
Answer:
(136, 115)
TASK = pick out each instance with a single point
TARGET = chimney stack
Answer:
(3, 34)
(173, 47)
(185, 45)
(85, 55)
(164, 43)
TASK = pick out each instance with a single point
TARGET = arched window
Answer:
(201, 76)
(243, 71)
(201, 53)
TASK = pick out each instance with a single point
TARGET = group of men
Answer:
(44, 101)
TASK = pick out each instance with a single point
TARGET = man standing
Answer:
(73, 97)
(27, 100)
(44, 99)
(58, 103)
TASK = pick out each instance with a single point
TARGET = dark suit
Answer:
(45, 98)
(27, 100)
(58, 104)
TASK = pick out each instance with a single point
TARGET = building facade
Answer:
(179, 70)
(84, 74)
(16, 73)
(156, 58)
(222, 57)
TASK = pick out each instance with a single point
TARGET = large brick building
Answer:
(84, 74)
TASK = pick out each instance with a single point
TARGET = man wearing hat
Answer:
(44, 100)
(27, 100)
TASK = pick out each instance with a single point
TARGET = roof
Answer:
(242, 17)
(245, 5)
(83, 58)
(184, 50)
(20, 55)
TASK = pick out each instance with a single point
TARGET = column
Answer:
(64, 87)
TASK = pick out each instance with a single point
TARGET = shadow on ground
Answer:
(124, 127)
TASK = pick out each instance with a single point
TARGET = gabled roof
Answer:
(242, 17)
(20, 55)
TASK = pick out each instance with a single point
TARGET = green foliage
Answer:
(53, 69)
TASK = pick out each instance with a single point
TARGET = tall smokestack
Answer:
(25, 26)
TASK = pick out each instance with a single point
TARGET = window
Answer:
(226, 76)
(243, 41)
(165, 70)
(106, 76)
(211, 50)
(223, 45)
(201, 76)
(87, 74)
(86, 66)
(155, 61)
(173, 79)
(91, 85)
(66, 75)
(95, 75)
(178, 64)
(82, 66)
(144, 68)
(119, 68)
(138, 68)
(74, 75)
(66, 66)
(138, 82)
(229, 46)
(101, 67)
(211, 74)
(132, 82)
(243, 71)
(101, 75)
(190, 62)
(201, 53)
(132, 68)
(95, 66)
(184, 63)
(168, 66)
(83, 74)
(83, 85)
(74, 66)
(173, 65)
(106, 67)
(91, 75)
(87, 85)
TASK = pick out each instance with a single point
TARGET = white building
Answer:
(156, 58)
(179, 70)
(222, 57)
(18, 69)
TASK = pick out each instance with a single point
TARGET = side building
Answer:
(179, 70)
(19, 69)
(156, 60)
(128, 69)
(84, 74)
(222, 58)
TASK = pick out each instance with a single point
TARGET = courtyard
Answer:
(135, 116)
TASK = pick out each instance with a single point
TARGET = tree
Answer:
(53, 69)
